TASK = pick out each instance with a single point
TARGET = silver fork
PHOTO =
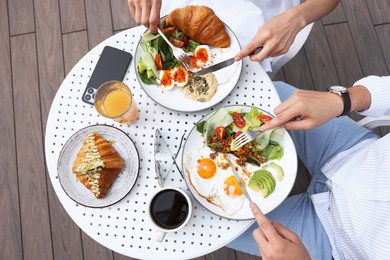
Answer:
(179, 54)
(245, 138)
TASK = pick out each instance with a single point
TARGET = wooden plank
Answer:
(10, 235)
(241, 255)
(31, 164)
(365, 38)
(121, 16)
(21, 16)
(297, 71)
(72, 16)
(66, 238)
(344, 54)
(71, 54)
(94, 250)
(383, 33)
(224, 253)
(379, 10)
(50, 59)
(336, 16)
(99, 21)
(320, 60)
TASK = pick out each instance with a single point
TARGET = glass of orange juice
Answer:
(114, 100)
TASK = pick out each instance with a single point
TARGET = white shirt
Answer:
(243, 17)
(356, 211)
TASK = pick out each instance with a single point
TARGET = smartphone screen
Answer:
(112, 65)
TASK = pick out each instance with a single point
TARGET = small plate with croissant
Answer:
(207, 40)
(98, 166)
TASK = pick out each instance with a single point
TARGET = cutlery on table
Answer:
(179, 54)
(214, 67)
(238, 179)
(245, 138)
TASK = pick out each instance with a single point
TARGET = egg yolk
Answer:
(180, 75)
(231, 187)
(206, 168)
(202, 54)
(167, 78)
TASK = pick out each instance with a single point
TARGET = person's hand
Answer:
(305, 109)
(275, 241)
(276, 37)
(146, 12)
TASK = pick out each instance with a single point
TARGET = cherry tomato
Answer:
(238, 120)
(220, 132)
(265, 118)
(158, 62)
(168, 30)
(176, 42)
(237, 134)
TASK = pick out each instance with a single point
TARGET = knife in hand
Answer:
(214, 67)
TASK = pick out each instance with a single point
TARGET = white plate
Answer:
(123, 183)
(288, 162)
(175, 99)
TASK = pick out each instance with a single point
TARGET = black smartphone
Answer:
(112, 65)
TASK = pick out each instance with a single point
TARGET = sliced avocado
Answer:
(263, 181)
(279, 170)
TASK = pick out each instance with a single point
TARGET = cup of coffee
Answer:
(170, 209)
(114, 100)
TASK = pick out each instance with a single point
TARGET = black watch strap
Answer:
(347, 103)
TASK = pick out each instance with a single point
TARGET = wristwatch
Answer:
(343, 92)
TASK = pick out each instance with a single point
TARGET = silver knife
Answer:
(214, 67)
(238, 179)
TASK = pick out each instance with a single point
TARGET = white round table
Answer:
(125, 227)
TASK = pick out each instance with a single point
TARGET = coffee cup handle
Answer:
(160, 236)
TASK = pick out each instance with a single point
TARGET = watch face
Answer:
(340, 89)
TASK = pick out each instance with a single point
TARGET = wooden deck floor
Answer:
(41, 40)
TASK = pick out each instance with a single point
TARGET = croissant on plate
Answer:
(97, 164)
(201, 24)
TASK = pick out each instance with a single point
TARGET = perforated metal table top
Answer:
(125, 227)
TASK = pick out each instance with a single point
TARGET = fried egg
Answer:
(202, 171)
(228, 194)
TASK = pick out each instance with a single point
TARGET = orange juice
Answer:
(114, 100)
(116, 103)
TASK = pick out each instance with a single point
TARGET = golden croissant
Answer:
(97, 164)
(201, 24)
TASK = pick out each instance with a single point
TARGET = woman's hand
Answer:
(306, 109)
(146, 12)
(275, 241)
(276, 37)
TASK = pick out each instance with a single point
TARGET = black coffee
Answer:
(169, 209)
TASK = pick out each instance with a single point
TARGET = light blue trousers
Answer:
(314, 147)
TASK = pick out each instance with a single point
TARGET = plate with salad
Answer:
(267, 165)
(170, 85)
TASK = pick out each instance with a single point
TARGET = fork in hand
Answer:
(179, 54)
(244, 138)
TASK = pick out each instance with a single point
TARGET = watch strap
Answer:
(347, 103)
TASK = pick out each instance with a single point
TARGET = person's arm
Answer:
(146, 12)
(277, 35)
(314, 108)
(276, 241)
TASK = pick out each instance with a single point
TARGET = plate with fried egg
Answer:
(170, 85)
(207, 172)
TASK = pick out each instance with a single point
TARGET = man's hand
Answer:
(146, 12)
(275, 241)
(306, 109)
